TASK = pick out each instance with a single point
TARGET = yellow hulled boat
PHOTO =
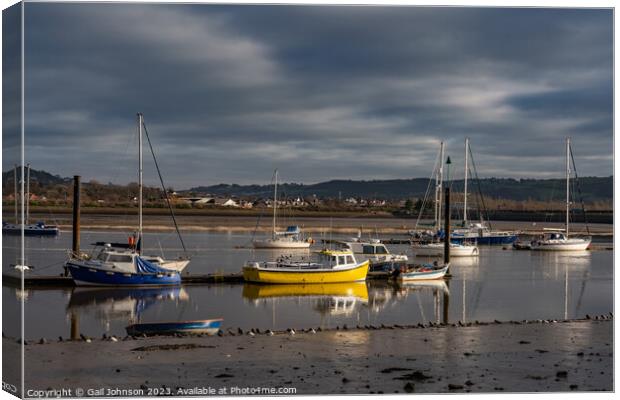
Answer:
(333, 266)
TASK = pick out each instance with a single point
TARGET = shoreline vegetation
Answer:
(513, 356)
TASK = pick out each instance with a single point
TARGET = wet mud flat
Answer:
(535, 356)
(371, 224)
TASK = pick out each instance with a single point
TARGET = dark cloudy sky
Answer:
(231, 92)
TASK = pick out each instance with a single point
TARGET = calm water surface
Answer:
(500, 284)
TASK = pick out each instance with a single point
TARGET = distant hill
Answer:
(592, 189)
(43, 178)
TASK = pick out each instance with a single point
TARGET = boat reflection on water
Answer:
(118, 304)
(336, 299)
(576, 258)
(353, 302)
(384, 295)
(465, 262)
(434, 286)
(354, 290)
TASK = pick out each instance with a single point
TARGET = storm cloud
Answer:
(231, 92)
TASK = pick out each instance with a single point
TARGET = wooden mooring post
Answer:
(75, 248)
(76, 215)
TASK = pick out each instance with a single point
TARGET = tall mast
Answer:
(275, 203)
(139, 239)
(465, 189)
(567, 184)
(440, 187)
(15, 176)
(27, 193)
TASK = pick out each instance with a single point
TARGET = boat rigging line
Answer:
(583, 206)
(163, 187)
(484, 207)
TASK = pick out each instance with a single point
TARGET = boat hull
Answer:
(207, 326)
(485, 240)
(273, 275)
(88, 276)
(280, 244)
(423, 275)
(570, 245)
(30, 231)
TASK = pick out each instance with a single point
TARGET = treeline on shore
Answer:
(401, 197)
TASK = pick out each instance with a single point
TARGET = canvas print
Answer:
(285, 200)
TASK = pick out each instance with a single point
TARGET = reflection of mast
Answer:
(566, 292)
(446, 302)
(586, 272)
(464, 297)
(437, 312)
(417, 295)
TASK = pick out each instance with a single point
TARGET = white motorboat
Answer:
(372, 250)
(559, 241)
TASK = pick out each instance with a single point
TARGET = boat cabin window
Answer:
(381, 250)
(348, 259)
(119, 258)
(368, 249)
(341, 260)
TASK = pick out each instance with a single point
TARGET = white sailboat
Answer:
(559, 241)
(436, 249)
(478, 232)
(288, 239)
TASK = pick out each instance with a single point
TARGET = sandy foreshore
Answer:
(494, 357)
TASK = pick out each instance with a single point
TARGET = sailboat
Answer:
(559, 241)
(125, 266)
(288, 239)
(37, 229)
(479, 232)
(433, 248)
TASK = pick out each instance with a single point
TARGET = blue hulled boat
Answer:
(481, 234)
(38, 229)
(208, 326)
(120, 269)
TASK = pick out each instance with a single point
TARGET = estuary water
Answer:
(499, 284)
